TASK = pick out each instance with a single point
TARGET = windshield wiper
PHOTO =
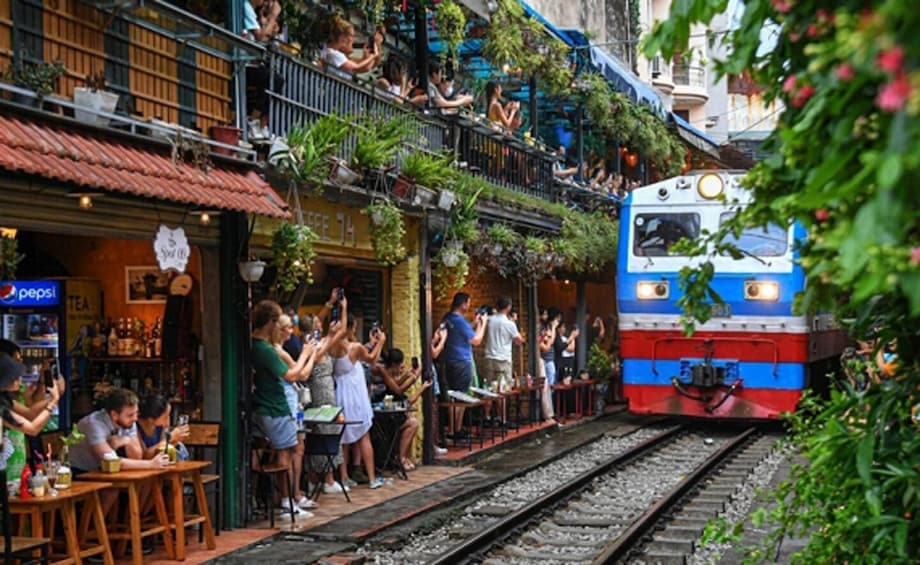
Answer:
(747, 253)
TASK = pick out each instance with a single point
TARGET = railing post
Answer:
(579, 141)
(421, 45)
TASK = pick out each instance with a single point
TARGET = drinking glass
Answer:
(52, 475)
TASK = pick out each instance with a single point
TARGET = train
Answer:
(755, 356)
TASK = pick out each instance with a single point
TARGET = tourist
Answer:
(398, 380)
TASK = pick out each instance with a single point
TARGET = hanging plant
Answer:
(387, 231)
(430, 171)
(379, 141)
(9, 258)
(451, 23)
(450, 267)
(293, 255)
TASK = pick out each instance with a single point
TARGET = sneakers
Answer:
(305, 503)
(304, 515)
(285, 508)
(377, 483)
(359, 476)
(440, 450)
(349, 483)
(335, 487)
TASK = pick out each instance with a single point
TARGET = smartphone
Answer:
(335, 314)
(51, 373)
(415, 363)
(340, 293)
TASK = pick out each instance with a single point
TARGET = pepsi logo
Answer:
(7, 292)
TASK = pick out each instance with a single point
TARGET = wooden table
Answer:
(133, 482)
(175, 474)
(65, 503)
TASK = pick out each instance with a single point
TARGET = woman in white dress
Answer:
(351, 394)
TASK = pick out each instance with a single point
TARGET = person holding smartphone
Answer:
(398, 380)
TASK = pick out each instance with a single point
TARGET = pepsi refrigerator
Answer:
(49, 320)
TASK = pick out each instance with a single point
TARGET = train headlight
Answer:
(653, 290)
(710, 186)
(761, 290)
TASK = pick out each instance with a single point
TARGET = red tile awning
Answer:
(92, 161)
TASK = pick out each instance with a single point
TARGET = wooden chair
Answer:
(266, 469)
(18, 547)
(204, 437)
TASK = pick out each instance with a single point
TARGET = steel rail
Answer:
(464, 550)
(620, 547)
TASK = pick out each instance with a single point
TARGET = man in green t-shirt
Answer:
(272, 416)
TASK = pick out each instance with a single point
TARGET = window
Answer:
(769, 241)
(655, 234)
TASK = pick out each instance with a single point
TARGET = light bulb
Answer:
(86, 201)
(205, 218)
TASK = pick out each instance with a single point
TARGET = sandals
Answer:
(408, 465)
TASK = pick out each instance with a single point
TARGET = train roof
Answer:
(686, 189)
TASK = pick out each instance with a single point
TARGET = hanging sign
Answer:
(171, 248)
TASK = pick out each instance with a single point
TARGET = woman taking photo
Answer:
(398, 380)
(153, 413)
(351, 395)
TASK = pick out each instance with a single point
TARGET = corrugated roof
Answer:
(106, 163)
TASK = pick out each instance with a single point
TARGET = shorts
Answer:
(495, 370)
(459, 375)
(281, 431)
(550, 368)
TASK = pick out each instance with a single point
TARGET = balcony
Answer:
(307, 92)
(690, 88)
(661, 75)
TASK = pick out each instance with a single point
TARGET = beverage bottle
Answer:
(157, 339)
(64, 474)
(24, 479)
(112, 346)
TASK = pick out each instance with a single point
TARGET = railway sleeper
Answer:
(682, 532)
(671, 545)
(596, 522)
(702, 513)
(709, 506)
(564, 557)
(707, 498)
(548, 526)
(689, 522)
(662, 558)
(536, 539)
(595, 510)
(492, 510)
(733, 474)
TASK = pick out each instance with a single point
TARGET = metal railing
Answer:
(687, 75)
(659, 69)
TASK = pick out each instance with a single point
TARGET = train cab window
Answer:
(656, 234)
(769, 241)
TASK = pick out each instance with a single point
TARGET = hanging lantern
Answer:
(632, 159)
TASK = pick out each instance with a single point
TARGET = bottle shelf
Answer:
(151, 360)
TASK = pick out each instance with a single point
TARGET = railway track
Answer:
(608, 514)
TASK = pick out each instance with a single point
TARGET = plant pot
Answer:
(96, 101)
(27, 100)
(424, 196)
(343, 175)
(225, 134)
(402, 187)
(251, 271)
(377, 217)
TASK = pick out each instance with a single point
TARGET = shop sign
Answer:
(171, 248)
(30, 293)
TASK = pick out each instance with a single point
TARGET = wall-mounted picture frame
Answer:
(146, 285)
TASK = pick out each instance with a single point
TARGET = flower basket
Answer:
(342, 174)
(96, 102)
(251, 271)
(225, 134)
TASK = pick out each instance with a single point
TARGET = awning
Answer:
(695, 137)
(625, 81)
(479, 7)
(106, 163)
(564, 36)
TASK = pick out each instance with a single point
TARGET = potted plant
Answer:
(41, 78)
(94, 97)
(423, 169)
(378, 142)
(310, 149)
(251, 271)
(293, 255)
(450, 267)
(387, 231)
(9, 258)
(451, 24)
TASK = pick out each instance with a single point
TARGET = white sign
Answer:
(171, 248)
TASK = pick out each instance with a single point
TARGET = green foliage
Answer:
(587, 241)
(600, 363)
(10, 257)
(451, 23)
(307, 159)
(387, 230)
(449, 267)
(432, 171)
(41, 78)
(379, 140)
(73, 438)
(845, 163)
(293, 251)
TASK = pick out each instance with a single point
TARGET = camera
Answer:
(442, 326)
(415, 363)
(483, 311)
(376, 327)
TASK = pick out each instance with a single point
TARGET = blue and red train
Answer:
(755, 357)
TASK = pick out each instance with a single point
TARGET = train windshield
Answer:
(657, 233)
(769, 241)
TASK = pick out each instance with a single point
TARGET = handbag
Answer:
(303, 394)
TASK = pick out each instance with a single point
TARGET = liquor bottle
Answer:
(112, 346)
(157, 338)
(24, 479)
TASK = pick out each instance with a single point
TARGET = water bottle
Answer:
(300, 419)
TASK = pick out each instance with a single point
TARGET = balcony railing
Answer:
(686, 75)
(306, 92)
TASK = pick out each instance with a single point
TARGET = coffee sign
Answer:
(171, 248)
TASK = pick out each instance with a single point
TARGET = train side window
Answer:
(656, 234)
(769, 241)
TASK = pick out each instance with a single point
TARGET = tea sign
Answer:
(171, 248)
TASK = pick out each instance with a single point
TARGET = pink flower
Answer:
(802, 96)
(915, 256)
(825, 17)
(812, 31)
(845, 72)
(782, 6)
(891, 60)
(892, 96)
(822, 215)
(789, 83)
